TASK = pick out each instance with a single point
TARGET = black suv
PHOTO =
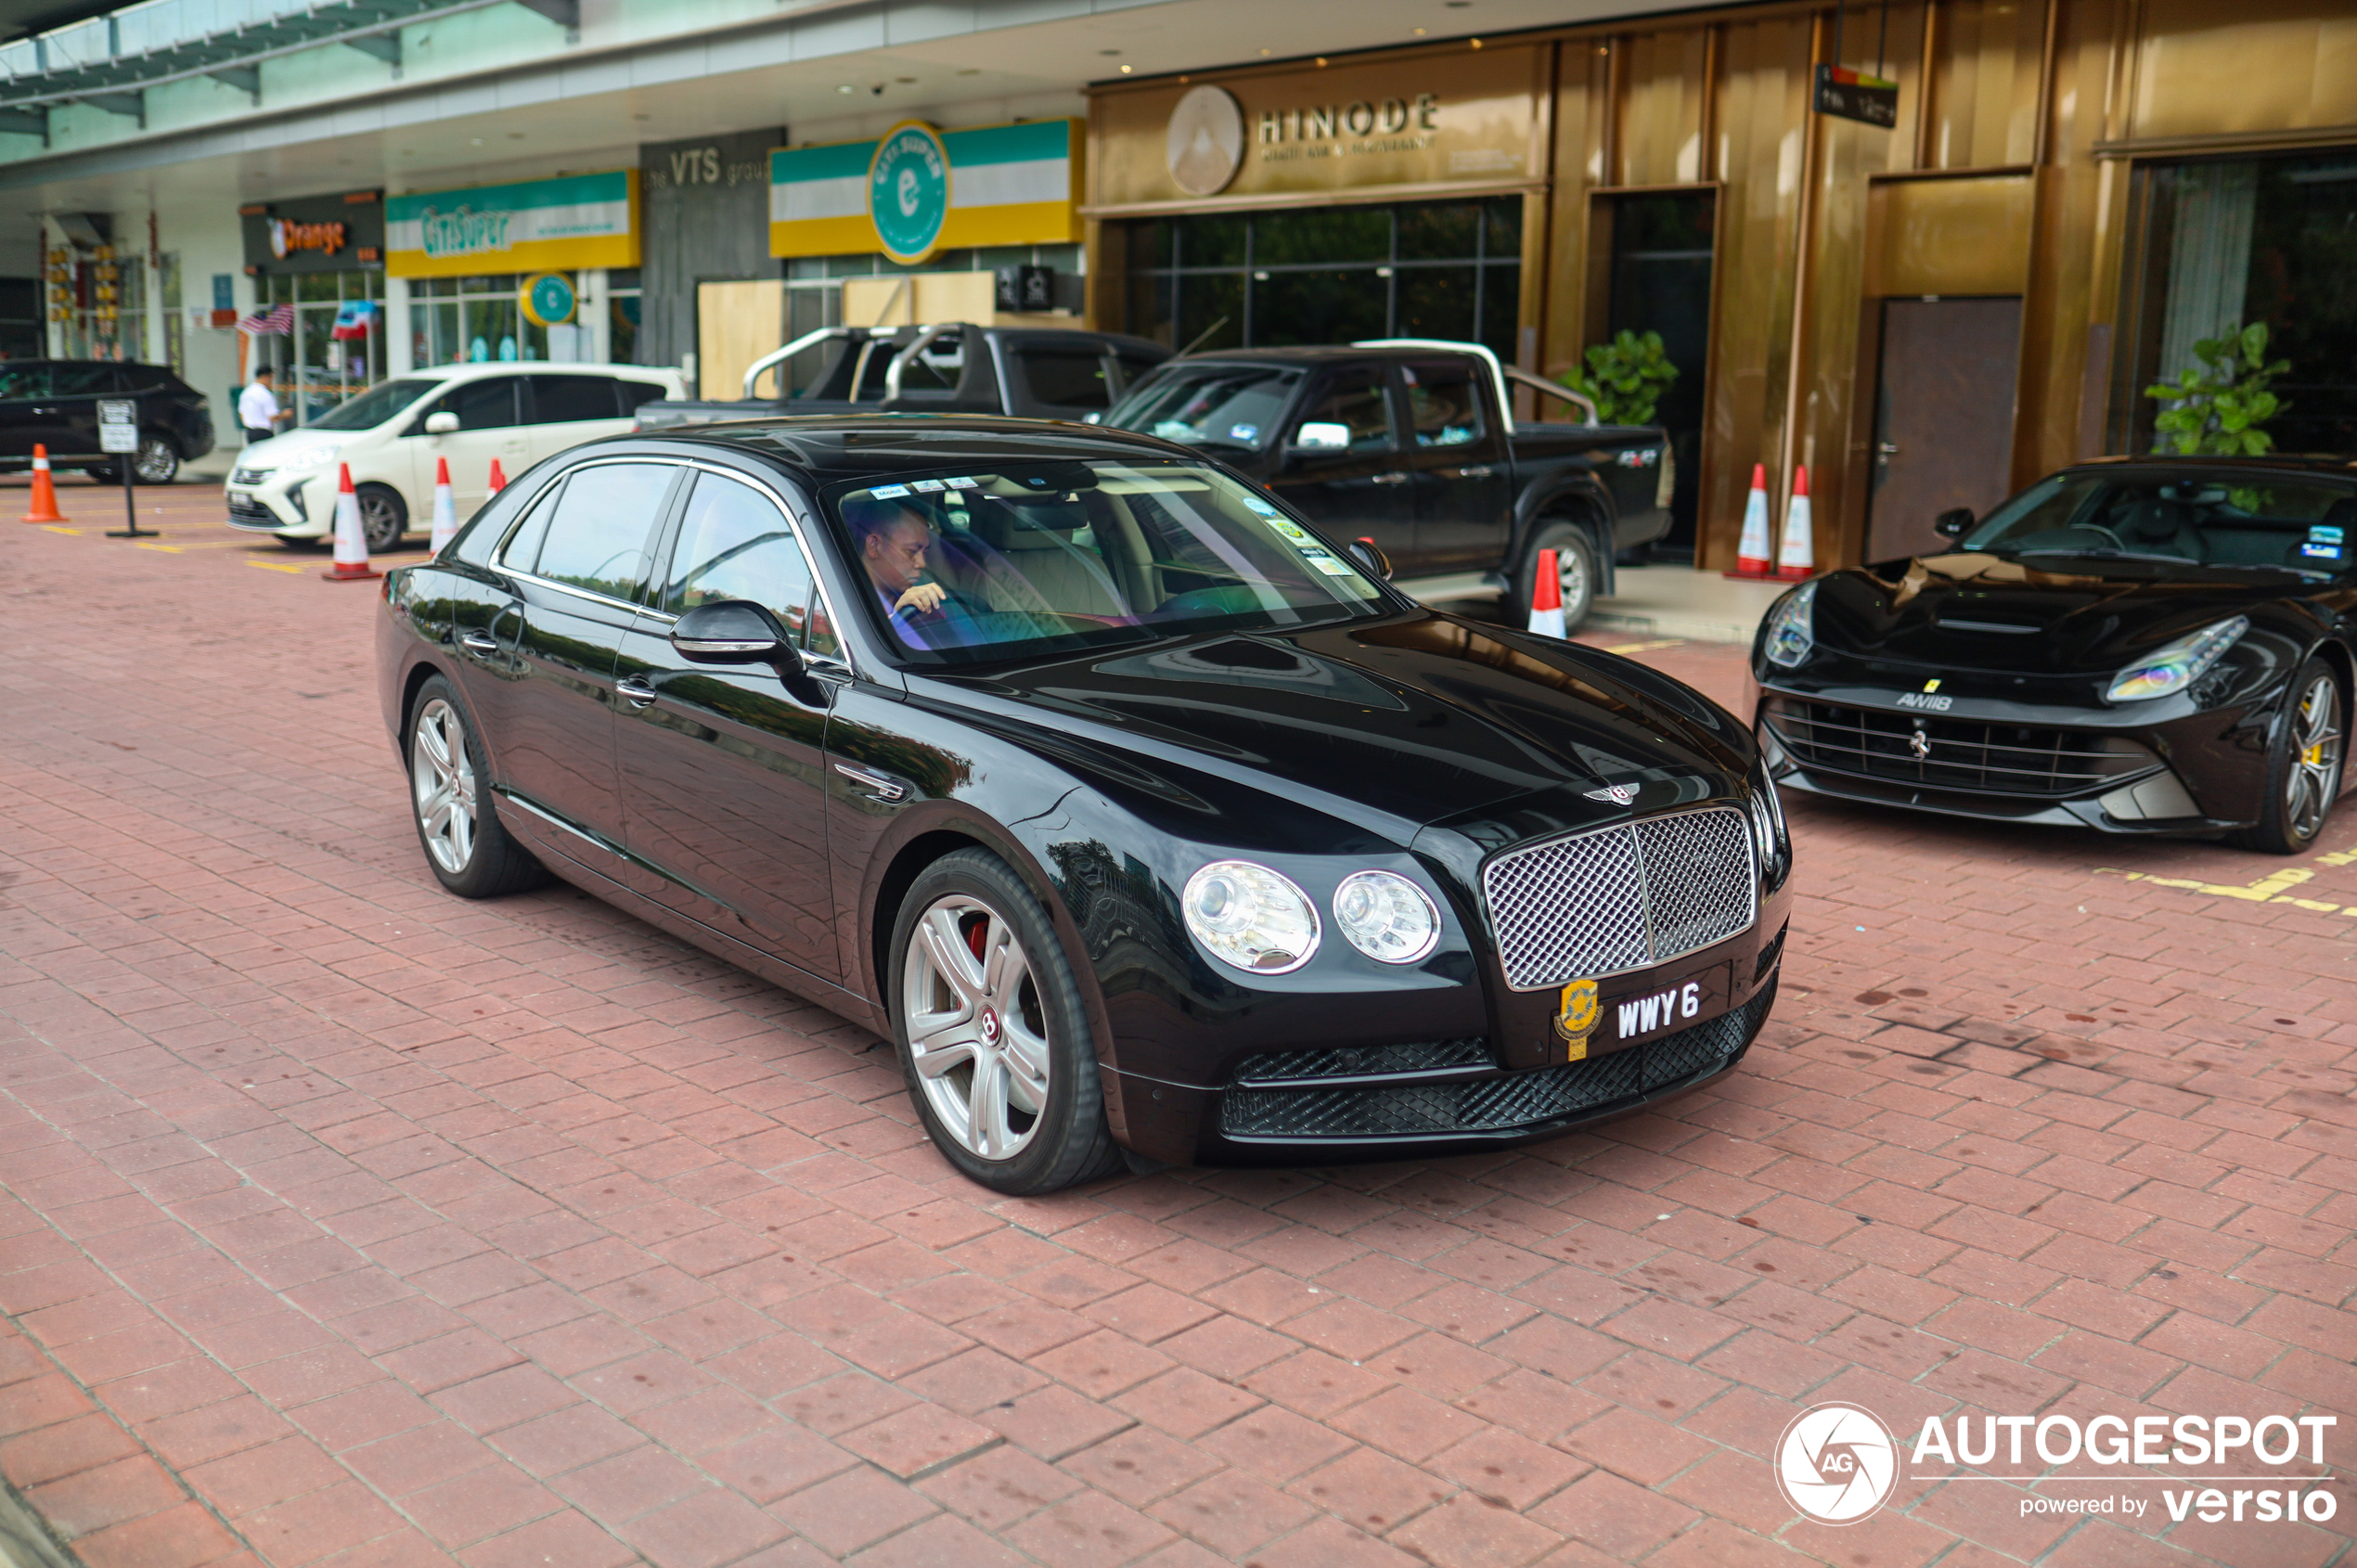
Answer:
(54, 403)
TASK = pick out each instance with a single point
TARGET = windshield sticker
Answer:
(888, 492)
(1327, 564)
(1263, 507)
(963, 483)
(1243, 432)
(2321, 552)
(1290, 531)
(926, 486)
(2324, 533)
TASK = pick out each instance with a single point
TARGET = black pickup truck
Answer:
(946, 367)
(1411, 444)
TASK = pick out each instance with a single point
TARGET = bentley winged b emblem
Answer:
(1618, 794)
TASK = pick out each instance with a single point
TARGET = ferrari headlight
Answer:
(1792, 628)
(1250, 917)
(1387, 917)
(2171, 669)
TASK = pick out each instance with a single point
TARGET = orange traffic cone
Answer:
(1752, 555)
(352, 541)
(1547, 597)
(445, 510)
(498, 476)
(1799, 558)
(45, 489)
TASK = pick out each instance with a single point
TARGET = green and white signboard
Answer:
(908, 191)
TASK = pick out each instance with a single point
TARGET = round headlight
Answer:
(1387, 917)
(1250, 917)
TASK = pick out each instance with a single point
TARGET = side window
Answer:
(1350, 412)
(1443, 404)
(564, 400)
(598, 528)
(480, 533)
(734, 543)
(636, 392)
(146, 378)
(523, 551)
(24, 380)
(83, 380)
(1066, 378)
(487, 404)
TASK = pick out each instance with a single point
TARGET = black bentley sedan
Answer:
(2141, 645)
(1138, 815)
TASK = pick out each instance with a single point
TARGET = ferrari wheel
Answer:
(992, 1033)
(2304, 764)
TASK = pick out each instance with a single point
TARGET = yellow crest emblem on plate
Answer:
(1576, 1016)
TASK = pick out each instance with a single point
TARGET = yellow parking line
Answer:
(53, 528)
(2274, 888)
(1644, 647)
(274, 566)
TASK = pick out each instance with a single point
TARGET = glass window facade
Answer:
(472, 321)
(1330, 274)
(317, 371)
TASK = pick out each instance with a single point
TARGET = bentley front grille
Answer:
(1504, 1103)
(1621, 899)
(1942, 753)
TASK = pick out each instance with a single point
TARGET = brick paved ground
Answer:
(345, 1223)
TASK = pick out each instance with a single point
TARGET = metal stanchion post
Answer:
(118, 434)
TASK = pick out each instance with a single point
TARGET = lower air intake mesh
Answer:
(1499, 1104)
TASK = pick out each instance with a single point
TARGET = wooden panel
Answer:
(1968, 235)
(1660, 140)
(736, 323)
(1985, 96)
(931, 296)
(2203, 68)
(1946, 416)
(1581, 96)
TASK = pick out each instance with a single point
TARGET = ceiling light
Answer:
(1420, 33)
(847, 87)
(905, 80)
(1264, 51)
(474, 141)
(1126, 69)
(1321, 62)
(515, 135)
(970, 71)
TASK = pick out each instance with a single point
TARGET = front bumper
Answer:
(277, 505)
(1429, 1099)
(2000, 762)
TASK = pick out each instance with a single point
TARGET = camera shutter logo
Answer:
(1836, 1463)
(1204, 144)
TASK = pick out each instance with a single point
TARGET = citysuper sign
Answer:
(560, 225)
(916, 190)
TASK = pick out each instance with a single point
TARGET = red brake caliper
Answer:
(977, 933)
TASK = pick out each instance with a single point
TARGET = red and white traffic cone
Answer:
(1754, 555)
(1547, 597)
(352, 541)
(446, 507)
(498, 476)
(1799, 558)
(45, 489)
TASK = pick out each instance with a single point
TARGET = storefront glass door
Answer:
(1441, 269)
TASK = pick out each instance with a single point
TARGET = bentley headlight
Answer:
(1250, 917)
(1768, 828)
(2171, 669)
(1792, 628)
(1387, 917)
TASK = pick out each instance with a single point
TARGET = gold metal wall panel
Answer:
(2205, 67)
(1661, 109)
(1438, 119)
(1954, 235)
(1984, 92)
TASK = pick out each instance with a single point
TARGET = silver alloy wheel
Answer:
(441, 780)
(2315, 761)
(1571, 570)
(380, 521)
(977, 1031)
(156, 463)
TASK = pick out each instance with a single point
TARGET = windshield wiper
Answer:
(2111, 555)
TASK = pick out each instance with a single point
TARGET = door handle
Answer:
(1389, 479)
(637, 691)
(479, 642)
(1475, 471)
(1888, 449)
(888, 789)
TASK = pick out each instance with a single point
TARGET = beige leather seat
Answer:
(1054, 550)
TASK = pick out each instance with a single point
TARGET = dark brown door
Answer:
(1944, 418)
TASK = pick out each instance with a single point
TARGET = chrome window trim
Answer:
(499, 561)
(801, 526)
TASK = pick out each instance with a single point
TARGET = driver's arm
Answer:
(925, 598)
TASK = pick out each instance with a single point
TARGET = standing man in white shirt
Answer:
(258, 408)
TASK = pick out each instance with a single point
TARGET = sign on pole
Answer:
(119, 435)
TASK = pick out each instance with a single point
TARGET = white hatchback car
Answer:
(392, 435)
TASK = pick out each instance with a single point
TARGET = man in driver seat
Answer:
(893, 543)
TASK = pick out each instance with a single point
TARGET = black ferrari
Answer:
(1138, 814)
(2140, 644)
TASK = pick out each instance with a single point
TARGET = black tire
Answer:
(2305, 762)
(1574, 547)
(384, 517)
(157, 462)
(489, 862)
(305, 545)
(1066, 1140)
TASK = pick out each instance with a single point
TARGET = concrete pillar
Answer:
(400, 339)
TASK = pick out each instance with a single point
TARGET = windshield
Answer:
(1236, 406)
(1026, 558)
(374, 407)
(2229, 520)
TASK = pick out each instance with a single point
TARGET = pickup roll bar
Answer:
(779, 356)
(867, 340)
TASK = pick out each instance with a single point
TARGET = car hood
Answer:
(2056, 615)
(283, 451)
(1390, 725)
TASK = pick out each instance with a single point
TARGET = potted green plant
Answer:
(2219, 410)
(1624, 378)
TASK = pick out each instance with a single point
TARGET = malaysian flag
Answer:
(276, 319)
